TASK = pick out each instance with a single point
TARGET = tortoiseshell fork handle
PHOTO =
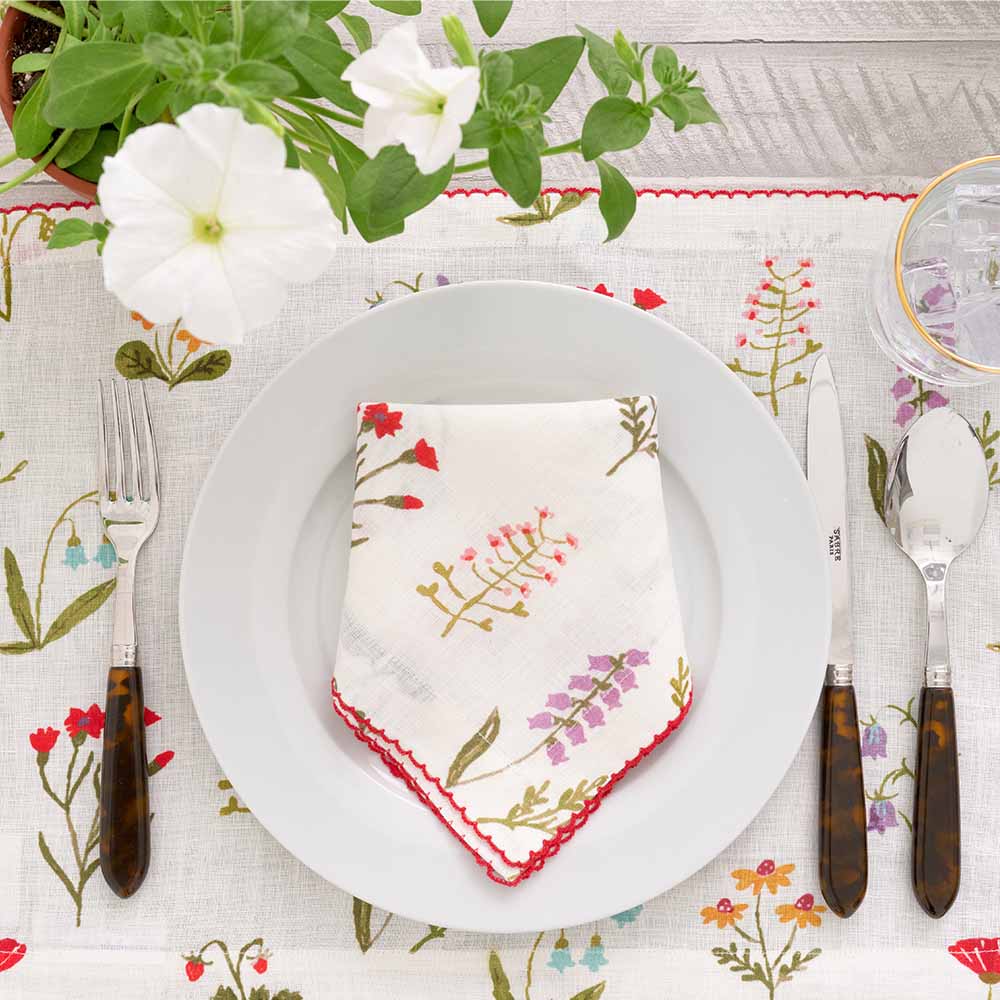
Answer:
(843, 853)
(937, 835)
(124, 785)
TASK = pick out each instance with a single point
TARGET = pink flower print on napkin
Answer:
(626, 679)
(575, 734)
(593, 715)
(543, 720)
(612, 698)
(469, 554)
(557, 753)
(560, 701)
(580, 682)
(572, 541)
(637, 658)
(901, 387)
(600, 663)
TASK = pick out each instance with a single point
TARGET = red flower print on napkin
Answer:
(43, 740)
(425, 455)
(90, 722)
(381, 419)
(11, 952)
(981, 955)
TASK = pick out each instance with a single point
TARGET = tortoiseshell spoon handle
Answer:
(124, 785)
(843, 851)
(937, 835)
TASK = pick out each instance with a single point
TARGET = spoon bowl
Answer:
(936, 495)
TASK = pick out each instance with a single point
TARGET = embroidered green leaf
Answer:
(136, 360)
(877, 469)
(57, 868)
(287, 995)
(492, 14)
(681, 683)
(17, 597)
(75, 612)
(363, 925)
(259, 993)
(590, 993)
(501, 984)
(207, 368)
(224, 993)
(480, 741)
(16, 648)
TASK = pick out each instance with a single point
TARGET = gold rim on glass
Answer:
(898, 268)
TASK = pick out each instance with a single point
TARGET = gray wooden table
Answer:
(814, 94)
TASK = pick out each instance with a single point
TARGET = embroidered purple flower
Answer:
(627, 916)
(901, 387)
(600, 663)
(593, 957)
(543, 720)
(881, 816)
(560, 958)
(560, 701)
(442, 280)
(593, 715)
(934, 400)
(637, 658)
(905, 414)
(626, 679)
(612, 698)
(580, 682)
(556, 752)
(873, 740)
(575, 734)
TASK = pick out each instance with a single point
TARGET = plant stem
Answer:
(531, 961)
(432, 933)
(566, 147)
(39, 12)
(376, 471)
(318, 109)
(236, 10)
(763, 949)
(9, 158)
(42, 163)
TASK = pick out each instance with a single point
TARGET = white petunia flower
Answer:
(209, 225)
(411, 102)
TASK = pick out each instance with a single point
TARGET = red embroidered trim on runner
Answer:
(536, 859)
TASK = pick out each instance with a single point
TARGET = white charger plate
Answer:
(259, 620)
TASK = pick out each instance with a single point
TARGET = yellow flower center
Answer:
(207, 229)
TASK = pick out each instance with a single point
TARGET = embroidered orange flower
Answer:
(766, 874)
(192, 341)
(804, 911)
(139, 318)
(725, 913)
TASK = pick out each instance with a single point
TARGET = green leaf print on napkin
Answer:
(480, 741)
(640, 430)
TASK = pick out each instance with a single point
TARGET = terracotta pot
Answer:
(10, 28)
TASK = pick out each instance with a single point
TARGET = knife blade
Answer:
(843, 839)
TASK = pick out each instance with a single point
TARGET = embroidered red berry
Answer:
(805, 902)
(806, 283)
(768, 262)
(766, 867)
(194, 969)
(260, 966)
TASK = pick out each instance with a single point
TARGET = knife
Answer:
(843, 853)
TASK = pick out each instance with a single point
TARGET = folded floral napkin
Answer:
(511, 641)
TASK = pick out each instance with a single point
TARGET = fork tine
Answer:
(133, 438)
(154, 465)
(102, 444)
(119, 460)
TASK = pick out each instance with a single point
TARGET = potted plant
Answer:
(375, 129)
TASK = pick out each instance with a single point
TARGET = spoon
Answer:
(935, 501)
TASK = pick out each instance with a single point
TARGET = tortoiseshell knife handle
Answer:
(124, 785)
(937, 835)
(843, 852)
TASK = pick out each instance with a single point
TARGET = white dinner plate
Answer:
(259, 621)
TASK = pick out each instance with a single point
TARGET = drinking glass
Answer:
(934, 291)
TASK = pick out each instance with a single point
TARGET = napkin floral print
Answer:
(522, 556)
(643, 433)
(257, 958)
(981, 956)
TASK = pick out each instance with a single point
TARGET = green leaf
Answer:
(75, 612)
(269, 28)
(261, 80)
(492, 14)
(89, 167)
(91, 84)
(287, 995)
(389, 187)
(32, 133)
(480, 131)
(30, 62)
(496, 71)
(480, 741)
(362, 924)
(113, 11)
(74, 16)
(56, 867)
(15, 648)
(547, 65)
(136, 360)
(459, 40)
(71, 233)
(321, 61)
(155, 101)
(516, 165)
(331, 182)
(614, 123)
(359, 29)
(665, 65)
(405, 8)
(501, 984)
(144, 17)
(191, 15)
(17, 597)
(700, 112)
(224, 993)
(629, 57)
(590, 993)
(617, 201)
(207, 368)
(326, 10)
(77, 147)
(878, 466)
(674, 108)
(606, 65)
(259, 993)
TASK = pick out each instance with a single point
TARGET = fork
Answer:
(130, 508)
